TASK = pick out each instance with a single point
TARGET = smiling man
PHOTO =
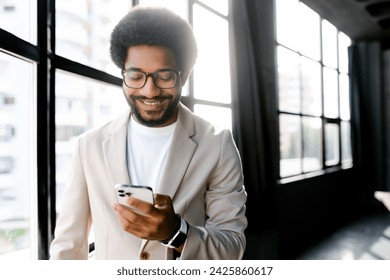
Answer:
(194, 170)
(152, 96)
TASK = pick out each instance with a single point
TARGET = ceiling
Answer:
(359, 19)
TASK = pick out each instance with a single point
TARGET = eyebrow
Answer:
(133, 68)
(139, 69)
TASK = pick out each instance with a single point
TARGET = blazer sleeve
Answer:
(74, 219)
(223, 236)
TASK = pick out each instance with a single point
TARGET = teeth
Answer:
(151, 103)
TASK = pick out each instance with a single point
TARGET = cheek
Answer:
(128, 91)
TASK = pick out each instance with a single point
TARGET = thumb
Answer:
(161, 201)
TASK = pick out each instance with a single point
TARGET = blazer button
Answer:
(145, 256)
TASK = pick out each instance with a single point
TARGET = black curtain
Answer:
(256, 129)
(367, 115)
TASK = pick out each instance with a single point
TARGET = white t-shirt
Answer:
(147, 151)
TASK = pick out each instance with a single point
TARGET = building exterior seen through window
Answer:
(17, 148)
(17, 134)
(313, 91)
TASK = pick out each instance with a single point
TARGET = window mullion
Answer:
(15, 46)
(45, 131)
(323, 120)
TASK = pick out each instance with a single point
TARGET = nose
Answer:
(150, 90)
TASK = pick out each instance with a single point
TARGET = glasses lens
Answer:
(134, 79)
(165, 79)
(162, 79)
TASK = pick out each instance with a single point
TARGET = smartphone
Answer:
(123, 191)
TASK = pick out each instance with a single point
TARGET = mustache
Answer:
(157, 98)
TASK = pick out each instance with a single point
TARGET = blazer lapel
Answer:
(180, 154)
(179, 157)
(114, 148)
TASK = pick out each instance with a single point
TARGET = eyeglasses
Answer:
(163, 79)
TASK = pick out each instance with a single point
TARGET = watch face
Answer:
(179, 240)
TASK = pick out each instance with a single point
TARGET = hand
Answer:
(157, 222)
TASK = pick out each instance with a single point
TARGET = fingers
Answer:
(138, 224)
(139, 206)
(155, 222)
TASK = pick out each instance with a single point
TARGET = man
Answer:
(194, 170)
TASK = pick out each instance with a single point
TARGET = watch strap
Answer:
(179, 236)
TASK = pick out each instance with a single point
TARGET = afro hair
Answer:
(154, 26)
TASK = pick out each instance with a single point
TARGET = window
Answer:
(17, 157)
(313, 91)
(21, 12)
(6, 164)
(6, 132)
(83, 29)
(212, 91)
(45, 106)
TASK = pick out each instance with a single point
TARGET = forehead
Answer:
(150, 58)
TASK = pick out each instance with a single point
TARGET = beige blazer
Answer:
(203, 176)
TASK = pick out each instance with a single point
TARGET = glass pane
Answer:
(344, 43)
(19, 18)
(329, 44)
(332, 146)
(220, 117)
(331, 100)
(309, 32)
(312, 144)
(81, 104)
(290, 145)
(311, 87)
(212, 69)
(179, 7)
(346, 153)
(83, 29)
(220, 6)
(287, 23)
(17, 157)
(288, 81)
(344, 97)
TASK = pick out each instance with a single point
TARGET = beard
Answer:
(152, 118)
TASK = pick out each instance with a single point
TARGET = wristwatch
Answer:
(179, 236)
